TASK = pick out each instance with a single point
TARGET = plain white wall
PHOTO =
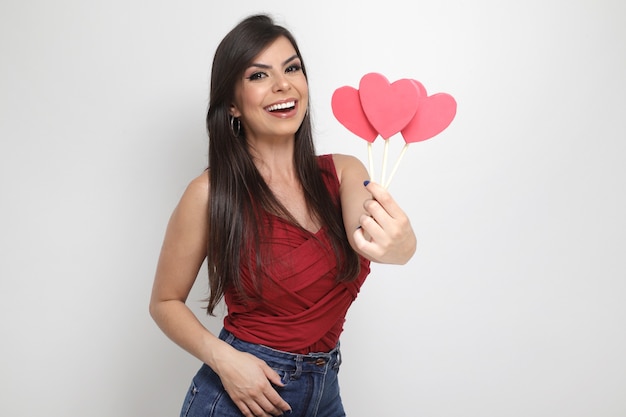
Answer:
(514, 304)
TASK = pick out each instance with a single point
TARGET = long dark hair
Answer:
(238, 192)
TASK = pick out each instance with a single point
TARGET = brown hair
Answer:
(237, 190)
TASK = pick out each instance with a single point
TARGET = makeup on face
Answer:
(273, 85)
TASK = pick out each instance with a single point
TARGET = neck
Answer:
(274, 159)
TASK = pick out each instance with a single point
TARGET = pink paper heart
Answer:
(388, 107)
(346, 106)
(434, 114)
(420, 88)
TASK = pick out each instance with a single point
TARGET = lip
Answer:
(283, 114)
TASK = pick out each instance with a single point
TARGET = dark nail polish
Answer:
(366, 182)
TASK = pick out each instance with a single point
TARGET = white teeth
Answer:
(281, 106)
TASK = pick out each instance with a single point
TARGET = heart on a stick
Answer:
(388, 107)
(346, 106)
(380, 107)
(434, 114)
(420, 88)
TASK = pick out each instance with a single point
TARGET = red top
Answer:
(303, 307)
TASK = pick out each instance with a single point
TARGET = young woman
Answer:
(287, 236)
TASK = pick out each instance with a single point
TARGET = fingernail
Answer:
(366, 182)
(358, 227)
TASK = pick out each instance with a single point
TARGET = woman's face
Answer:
(271, 98)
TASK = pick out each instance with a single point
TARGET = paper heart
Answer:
(388, 107)
(434, 114)
(346, 106)
(421, 89)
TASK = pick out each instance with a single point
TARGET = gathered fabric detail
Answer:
(300, 307)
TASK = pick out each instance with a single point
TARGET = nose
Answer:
(281, 83)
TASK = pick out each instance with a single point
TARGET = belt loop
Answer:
(228, 336)
(298, 372)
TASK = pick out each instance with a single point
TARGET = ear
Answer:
(234, 111)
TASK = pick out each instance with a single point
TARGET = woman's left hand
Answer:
(385, 234)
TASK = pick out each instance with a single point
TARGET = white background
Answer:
(514, 304)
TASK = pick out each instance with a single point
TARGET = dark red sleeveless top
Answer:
(301, 308)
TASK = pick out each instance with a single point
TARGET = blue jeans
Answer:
(311, 385)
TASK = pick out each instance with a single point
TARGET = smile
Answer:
(279, 107)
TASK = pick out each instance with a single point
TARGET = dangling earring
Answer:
(232, 126)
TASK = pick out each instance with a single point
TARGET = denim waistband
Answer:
(278, 359)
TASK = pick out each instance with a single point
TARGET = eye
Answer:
(256, 76)
(293, 68)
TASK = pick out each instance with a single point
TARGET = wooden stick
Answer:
(385, 155)
(397, 164)
(370, 158)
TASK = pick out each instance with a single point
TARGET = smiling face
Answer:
(272, 96)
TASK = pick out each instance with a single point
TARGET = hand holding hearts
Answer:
(382, 108)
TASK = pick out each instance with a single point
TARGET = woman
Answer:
(287, 236)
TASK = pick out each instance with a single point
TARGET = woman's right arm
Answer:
(182, 254)
(245, 377)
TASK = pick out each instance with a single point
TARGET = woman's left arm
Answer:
(376, 226)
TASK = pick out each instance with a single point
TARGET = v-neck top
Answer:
(300, 307)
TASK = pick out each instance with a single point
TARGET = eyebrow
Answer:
(265, 66)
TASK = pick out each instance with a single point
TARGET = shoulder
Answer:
(347, 166)
(196, 195)
(342, 159)
(199, 186)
